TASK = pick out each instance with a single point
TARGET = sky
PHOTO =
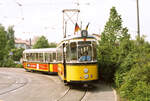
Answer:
(44, 17)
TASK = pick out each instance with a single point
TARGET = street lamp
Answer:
(138, 18)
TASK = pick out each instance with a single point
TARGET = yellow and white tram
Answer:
(76, 57)
(40, 60)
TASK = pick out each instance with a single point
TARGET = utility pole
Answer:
(138, 18)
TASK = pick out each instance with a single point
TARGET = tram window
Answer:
(40, 57)
(36, 57)
(67, 53)
(30, 58)
(59, 54)
(84, 52)
(84, 42)
(47, 58)
(44, 58)
(73, 48)
(54, 57)
(27, 56)
(51, 57)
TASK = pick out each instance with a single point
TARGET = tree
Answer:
(10, 38)
(108, 49)
(42, 42)
(3, 42)
(17, 53)
(52, 45)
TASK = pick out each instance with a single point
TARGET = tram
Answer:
(76, 58)
(40, 60)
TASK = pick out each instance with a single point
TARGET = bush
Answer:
(17, 53)
(19, 66)
(124, 68)
(136, 84)
(107, 62)
(9, 63)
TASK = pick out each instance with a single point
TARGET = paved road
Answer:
(18, 85)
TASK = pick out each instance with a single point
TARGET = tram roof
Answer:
(41, 50)
(77, 38)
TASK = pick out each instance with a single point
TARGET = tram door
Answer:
(64, 59)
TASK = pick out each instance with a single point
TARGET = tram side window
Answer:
(51, 57)
(47, 57)
(73, 48)
(36, 57)
(40, 57)
(59, 54)
(30, 56)
(54, 57)
(27, 56)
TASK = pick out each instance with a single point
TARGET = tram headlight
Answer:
(86, 76)
(85, 70)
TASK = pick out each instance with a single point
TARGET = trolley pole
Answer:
(69, 15)
(138, 19)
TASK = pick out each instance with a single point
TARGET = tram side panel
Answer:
(61, 72)
(53, 68)
(36, 66)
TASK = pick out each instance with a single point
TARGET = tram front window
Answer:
(84, 52)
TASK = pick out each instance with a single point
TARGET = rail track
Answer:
(18, 82)
(16, 85)
(74, 93)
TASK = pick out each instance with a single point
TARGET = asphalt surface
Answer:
(18, 85)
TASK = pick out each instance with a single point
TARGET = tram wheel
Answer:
(27, 70)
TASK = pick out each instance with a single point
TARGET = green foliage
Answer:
(42, 42)
(137, 54)
(136, 84)
(110, 54)
(17, 54)
(3, 42)
(19, 66)
(125, 61)
(10, 38)
(9, 63)
(132, 76)
(6, 45)
(52, 45)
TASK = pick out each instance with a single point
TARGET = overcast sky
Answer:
(44, 17)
